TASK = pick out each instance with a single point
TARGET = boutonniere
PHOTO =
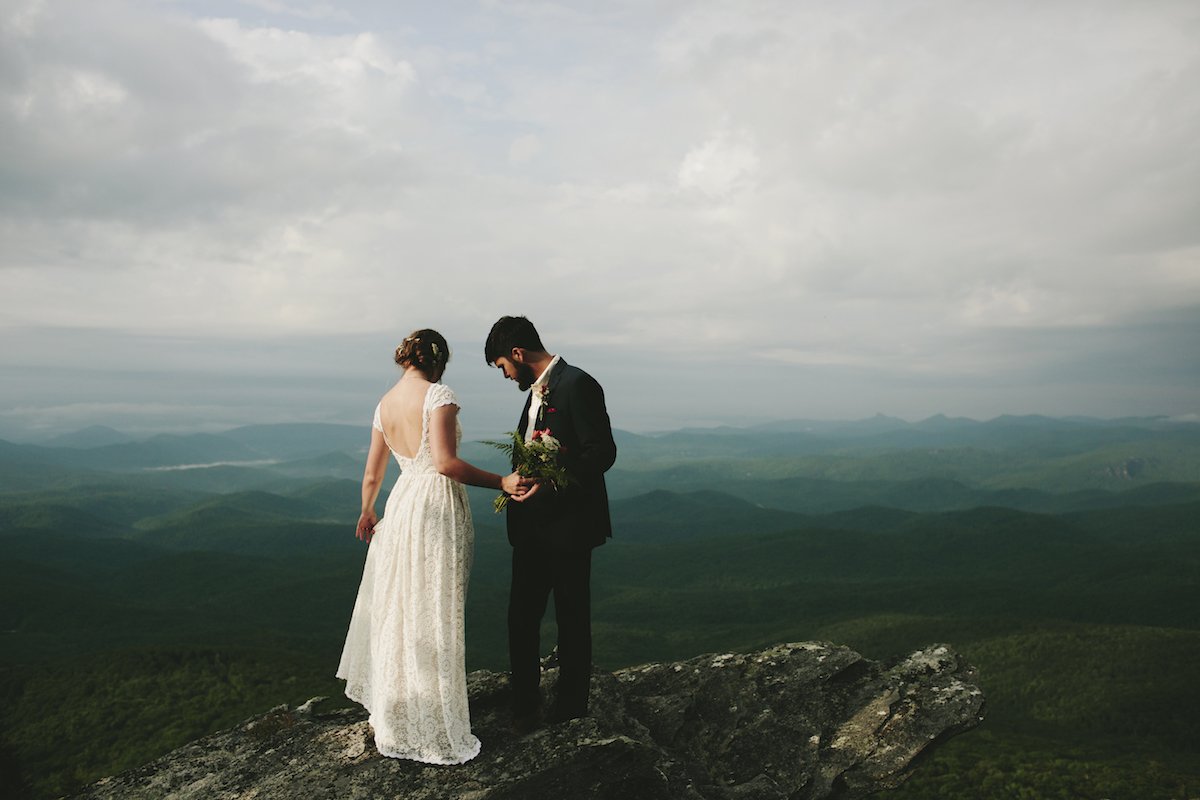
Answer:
(543, 393)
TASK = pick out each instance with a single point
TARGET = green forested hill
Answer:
(141, 608)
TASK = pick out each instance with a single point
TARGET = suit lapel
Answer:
(523, 422)
(556, 374)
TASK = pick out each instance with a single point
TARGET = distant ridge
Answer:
(300, 439)
(293, 439)
(91, 436)
(942, 422)
(939, 462)
(882, 422)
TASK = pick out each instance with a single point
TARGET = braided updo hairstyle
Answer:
(426, 350)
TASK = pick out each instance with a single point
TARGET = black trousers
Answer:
(535, 574)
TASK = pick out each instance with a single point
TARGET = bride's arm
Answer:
(372, 479)
(443, 445)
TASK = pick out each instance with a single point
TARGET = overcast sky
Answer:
(215, 213)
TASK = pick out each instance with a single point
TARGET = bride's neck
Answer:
(414, 373)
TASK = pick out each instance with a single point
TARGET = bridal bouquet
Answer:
(537, 458)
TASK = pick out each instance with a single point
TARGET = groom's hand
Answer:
(531, 487)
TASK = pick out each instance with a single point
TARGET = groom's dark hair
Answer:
(510, 332)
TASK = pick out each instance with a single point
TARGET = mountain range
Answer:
(153, 590)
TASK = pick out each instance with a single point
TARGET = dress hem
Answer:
(409, 755)
(440, 762)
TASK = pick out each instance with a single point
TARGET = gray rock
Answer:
(802, 721)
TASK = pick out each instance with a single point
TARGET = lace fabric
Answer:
(404, 657)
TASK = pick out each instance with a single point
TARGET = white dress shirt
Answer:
(535, 403)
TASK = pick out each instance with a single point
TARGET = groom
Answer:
(552, 533)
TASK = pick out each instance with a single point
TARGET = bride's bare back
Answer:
(400, 413)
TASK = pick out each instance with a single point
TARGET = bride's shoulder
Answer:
(441, 395)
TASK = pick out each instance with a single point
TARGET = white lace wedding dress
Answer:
(404, 654)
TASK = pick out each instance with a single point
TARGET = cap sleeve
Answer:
(376, 423)
(440, 395)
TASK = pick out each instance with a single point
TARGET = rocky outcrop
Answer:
(802, 721)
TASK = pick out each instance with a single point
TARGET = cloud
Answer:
(524, 149)
(868, 187)
(310, 11)
(721, 165)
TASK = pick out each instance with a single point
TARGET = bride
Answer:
(404, 653)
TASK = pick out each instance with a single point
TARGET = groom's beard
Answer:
(525, 376)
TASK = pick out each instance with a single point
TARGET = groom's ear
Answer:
(517, 355)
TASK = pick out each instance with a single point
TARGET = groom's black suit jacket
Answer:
(574, 518)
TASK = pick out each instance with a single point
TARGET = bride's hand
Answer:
(366, 526)
(515, 485)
